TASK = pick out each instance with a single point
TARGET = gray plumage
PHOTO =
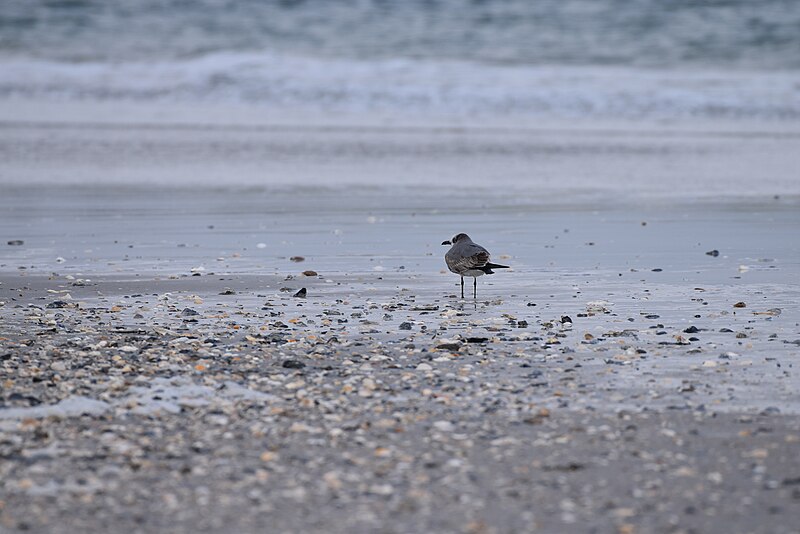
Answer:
(467, 258)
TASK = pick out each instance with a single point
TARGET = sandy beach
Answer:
(634, 370)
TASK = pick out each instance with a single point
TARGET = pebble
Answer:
(16, 242)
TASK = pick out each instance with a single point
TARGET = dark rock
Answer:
(16, 242)
(740, 305)
(292, 364)
(692, 330)
(405, 326)
(448, 346)
(297, 259)
(477, 339)
(301, 294)
(713, 253)
(522, 324)
(58, 304)
(566, 319)
(188, 312)
(228, 292)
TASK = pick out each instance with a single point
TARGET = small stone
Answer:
(566, 319)
(444, 426)
(297, 259)
(188, 312)
(424, 367)
(405, 326)
(309, 273)
(16, 242)
(292, 364)
(713, 253)
(692, 330)
(58, 304)
(740, 305)
(301, 294)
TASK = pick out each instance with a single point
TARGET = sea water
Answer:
(549, 58)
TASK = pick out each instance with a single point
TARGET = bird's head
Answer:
(456, 239)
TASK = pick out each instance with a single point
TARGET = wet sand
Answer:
(158, 372)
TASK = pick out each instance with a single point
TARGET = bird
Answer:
(466, 258)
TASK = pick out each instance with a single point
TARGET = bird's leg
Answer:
(462, 287)
(475, 288)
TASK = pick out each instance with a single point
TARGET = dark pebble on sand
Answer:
(692, 330)
(566, 319)
(297, 259)
(58, 304)
(228, 292)
(713, 253)
(522, 324)
(405, 326)
(309, 273)
(16, 242)
(740, 305)
(449, 346)
(657, 270)
(292, 364)
(188, 312)
(725, 330)
(301, 294)
(477, 339)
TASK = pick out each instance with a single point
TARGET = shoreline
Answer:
(157, 371)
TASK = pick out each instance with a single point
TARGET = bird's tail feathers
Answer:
(489, 266)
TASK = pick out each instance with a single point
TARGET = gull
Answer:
(466, 258)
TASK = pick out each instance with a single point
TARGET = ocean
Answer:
(550, 58)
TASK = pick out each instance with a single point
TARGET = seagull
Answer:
(466, 258)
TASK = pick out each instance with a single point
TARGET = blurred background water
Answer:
(621, 58)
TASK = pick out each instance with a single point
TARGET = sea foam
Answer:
(414, 86)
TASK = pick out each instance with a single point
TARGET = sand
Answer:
(633, 371)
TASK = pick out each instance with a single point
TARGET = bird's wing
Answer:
(471, 256)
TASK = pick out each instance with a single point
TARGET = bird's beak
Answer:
(446, 243)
